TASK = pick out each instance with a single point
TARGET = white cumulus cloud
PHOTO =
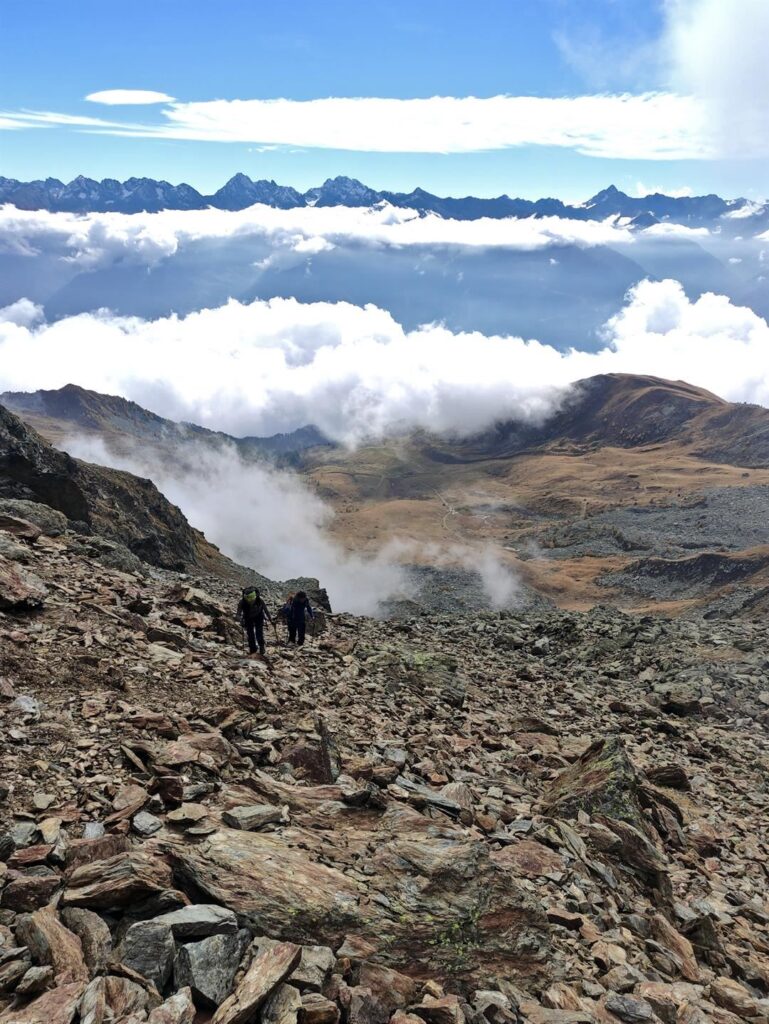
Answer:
(355, 372)
(717, 54)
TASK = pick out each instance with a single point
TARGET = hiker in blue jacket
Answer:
(297, 610)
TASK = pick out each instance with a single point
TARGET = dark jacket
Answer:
(252, 611)
(296, 610)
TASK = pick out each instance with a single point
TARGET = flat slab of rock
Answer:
(252, 817)
(269, 969)
(117, 881)
(199, 921)
(529, 859)
(449, 893)
(58, 1006)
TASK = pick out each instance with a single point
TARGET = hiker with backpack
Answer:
(251, 614)
(296, 610)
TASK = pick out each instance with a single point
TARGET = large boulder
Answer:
(602, 781)
(436, 901)
(46, 519)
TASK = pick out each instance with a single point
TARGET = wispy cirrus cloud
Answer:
(650, 126)
(51, 119)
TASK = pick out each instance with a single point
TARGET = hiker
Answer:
(252, 612)
(298, 608)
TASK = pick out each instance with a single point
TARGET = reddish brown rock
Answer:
(58, 1006)
(29, 892)
(118, 881)
(20, 590)
(178, 1009)
(670, 937)
(268, 970)
(51, 943)
(316, 1009)
(529, 859)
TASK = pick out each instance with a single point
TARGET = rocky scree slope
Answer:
(557, 818)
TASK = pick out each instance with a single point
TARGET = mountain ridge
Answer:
(646, 493)
(134, 195)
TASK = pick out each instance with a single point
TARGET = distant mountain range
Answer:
(135, 195)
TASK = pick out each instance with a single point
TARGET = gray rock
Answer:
(209, 967)
(12, 973)
(199, 921)
(635, 1011)
(36, 980)
(148, 948)
(252, 817)
(23, 833)
(13, 550)
(93, 830)
(283, 1006)
(48, 520)
(314, 968)
(146, 824)
(94, 935)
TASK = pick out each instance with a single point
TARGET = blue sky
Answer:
(565, 51)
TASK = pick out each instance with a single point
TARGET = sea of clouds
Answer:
(267, 365)
(354, 372)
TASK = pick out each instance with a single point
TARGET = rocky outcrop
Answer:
(117, 505)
